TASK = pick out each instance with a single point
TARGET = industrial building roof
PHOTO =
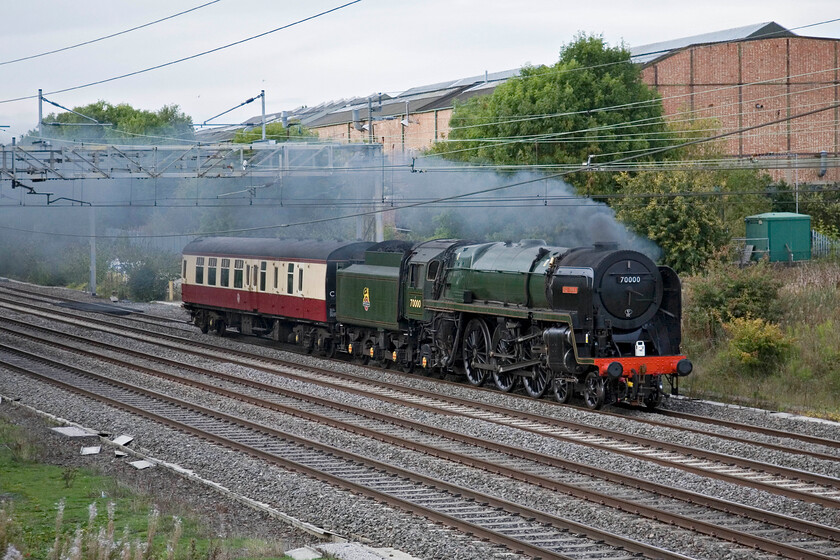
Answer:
(420, 99)
(648, 53)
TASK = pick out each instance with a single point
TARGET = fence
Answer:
(824, 246)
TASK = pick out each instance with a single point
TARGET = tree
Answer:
(274, 131)
(823, 205)
(591, 102)
(660, 205)
(119, 123)
(691, 212)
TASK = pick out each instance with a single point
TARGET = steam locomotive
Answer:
(597, 321)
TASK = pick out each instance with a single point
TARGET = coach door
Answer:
(251, 284)
(260, 277)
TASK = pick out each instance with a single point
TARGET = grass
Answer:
(808, 379)
(52, 512)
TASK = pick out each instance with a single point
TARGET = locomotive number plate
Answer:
(629, 279)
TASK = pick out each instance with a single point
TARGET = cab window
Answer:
(432, 273)
(414, 275)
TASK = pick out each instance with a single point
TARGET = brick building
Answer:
(751, 76)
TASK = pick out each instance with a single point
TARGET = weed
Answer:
(68, 475)
(10, 530)
(727, 292)
(19, 445)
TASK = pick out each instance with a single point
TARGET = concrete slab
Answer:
(73, 431)
(393, 554)
(123, 440)
(358, 551)
(92, 450)
(140, 465)
(304, 553)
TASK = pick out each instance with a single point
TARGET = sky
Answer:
(368, 47)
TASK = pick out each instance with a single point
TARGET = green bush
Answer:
(727, 292)
(145, 283)
(756, 345)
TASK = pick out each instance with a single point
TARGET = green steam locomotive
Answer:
(596, 321)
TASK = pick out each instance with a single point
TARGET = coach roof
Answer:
(300, 249)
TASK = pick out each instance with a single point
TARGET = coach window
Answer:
(199, 270)
(184, 275)
(276, 277)
(225, 274)
(238, 265)
(263, 268)
(300, 278)
(290, 279)
(211, 271)
(254, 276)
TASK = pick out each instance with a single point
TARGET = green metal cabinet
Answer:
(782, 236)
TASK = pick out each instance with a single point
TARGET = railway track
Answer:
(826, 533)
(792, 538)
(89, 306)
(749, 526)
(812, 440)
(792, 483)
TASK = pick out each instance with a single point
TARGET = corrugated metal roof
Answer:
(390, 107)
(647, 53)
(461, 95)
(421, 98)
(461, 82)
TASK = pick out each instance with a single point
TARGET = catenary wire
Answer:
(98, 39)
(197, 55)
